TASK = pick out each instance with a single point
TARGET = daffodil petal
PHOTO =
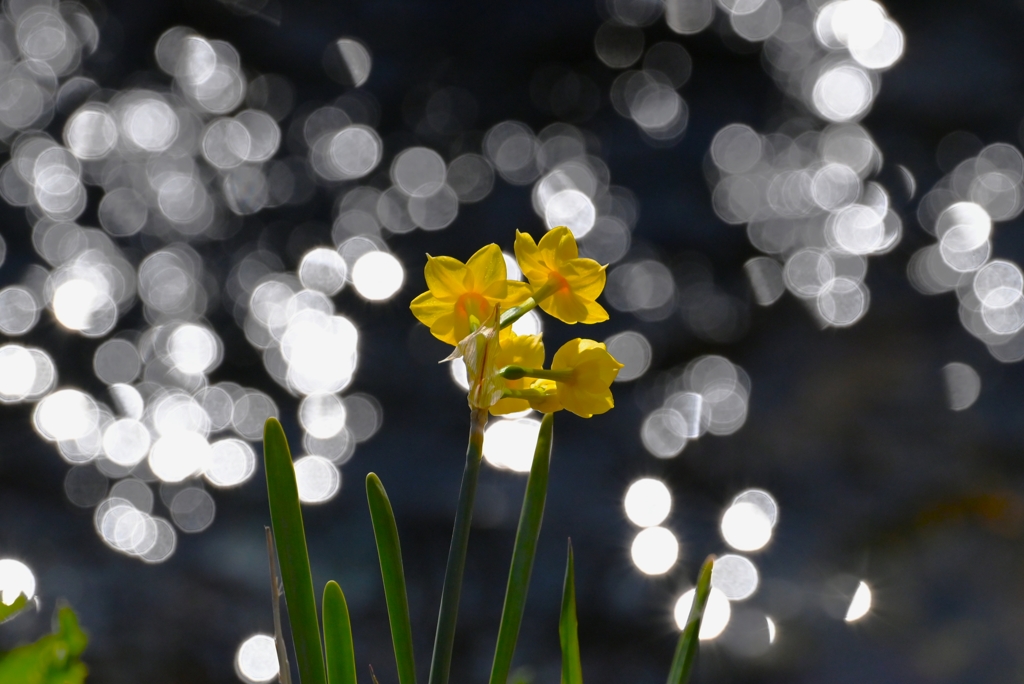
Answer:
(497, 291)
(521, 350)
(547, 248)
(595, 313)
(427, 308)
(566, 249)
(528, 258)
(460, 328)
(565, 306)
(595, 376)
(585, 404)
(443, 328)
(587, 392)
(566, 355)
(506, 406)
(585, 345)
(445, 276)
(487, 267)
(549, 403)
(518, 293)
(558, 246)
(585, 276)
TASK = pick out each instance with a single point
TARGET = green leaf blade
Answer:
(568, 633)
(686, 649)
(525, 550)
(292, 554)
(389, 551)
(338, 646)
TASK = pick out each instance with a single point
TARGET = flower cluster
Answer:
(472, 306)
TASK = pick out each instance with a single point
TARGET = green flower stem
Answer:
(686, 649)
(523, 554)
(518, 373)
(523, 394)
(440, 664)
(516, 312)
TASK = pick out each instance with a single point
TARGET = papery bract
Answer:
(479, 350)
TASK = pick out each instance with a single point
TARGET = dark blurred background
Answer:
(850, 428)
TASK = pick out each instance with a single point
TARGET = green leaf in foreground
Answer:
(9, 611)
(385, 531)
(341, 655)
(686, 649)
(522, 555)
(572, 672)
(292, 555)
(53, 659)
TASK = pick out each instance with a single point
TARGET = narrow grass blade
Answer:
(686, 650)
(572, 672)
(385, 531)
(341, 654)
(284, 668)
(293, 558)
(447, 616)
(522, 555)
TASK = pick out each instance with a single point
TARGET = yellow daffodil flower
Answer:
(579, 380)
(461, 296)
(517, 350)
(564, 285)
(587, 390)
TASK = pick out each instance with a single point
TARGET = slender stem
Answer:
(440, 664)
(516, 312)
(523, 394)
(518, 373)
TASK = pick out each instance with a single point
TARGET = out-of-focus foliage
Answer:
(52, 659)
(9, 611)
